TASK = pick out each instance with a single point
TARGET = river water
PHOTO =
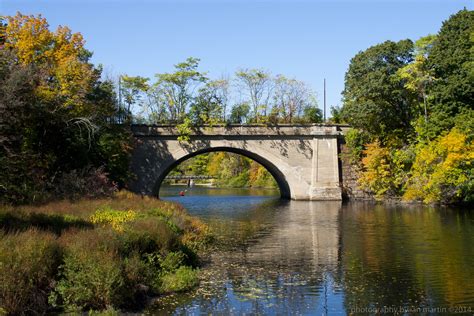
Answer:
(326, 258)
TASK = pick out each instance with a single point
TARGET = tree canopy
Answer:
(412, 107)
(375, 99)
(451, 61)
(56, 114)
(188, 97)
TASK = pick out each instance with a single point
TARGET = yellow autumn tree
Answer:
(376, 175)
(259, 176)
(443, 170)
(66, 74)
(214, 163)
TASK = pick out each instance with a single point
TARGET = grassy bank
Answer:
(96, 254)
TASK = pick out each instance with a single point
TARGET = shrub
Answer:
(138, 274)
(91, 277)
(197, 235)
(155, 229)
(163, 267)
(401, 160)
(84, 183)
(173, 261)
(28, 264)
(182, 279)
(115, 218)
(136, 241)
(356, 141)
(113, 264)
(15, 220)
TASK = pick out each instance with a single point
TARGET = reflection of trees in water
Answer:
(394, 256)
(245, 228)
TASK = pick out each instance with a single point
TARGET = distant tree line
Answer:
(187, 94)
(412, 107)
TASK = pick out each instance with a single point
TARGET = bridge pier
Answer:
(325, 184)
(303, 159)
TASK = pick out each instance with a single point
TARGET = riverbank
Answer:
(103, 254)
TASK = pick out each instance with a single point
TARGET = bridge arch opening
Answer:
(282, 184)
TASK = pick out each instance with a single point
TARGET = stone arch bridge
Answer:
(303, 159)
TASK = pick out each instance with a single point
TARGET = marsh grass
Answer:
(29, 261)
(92, 255)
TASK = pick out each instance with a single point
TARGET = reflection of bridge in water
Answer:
(303, 232)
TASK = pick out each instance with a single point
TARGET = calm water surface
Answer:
(327, 258)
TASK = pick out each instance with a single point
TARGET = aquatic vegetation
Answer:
(183, 278)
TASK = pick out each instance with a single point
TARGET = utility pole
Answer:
(120, 91)
(324, 100)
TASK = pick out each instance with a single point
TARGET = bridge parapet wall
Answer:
(241, 130)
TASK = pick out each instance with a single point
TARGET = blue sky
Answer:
(308, 40)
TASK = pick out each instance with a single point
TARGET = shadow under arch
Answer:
(274, 171)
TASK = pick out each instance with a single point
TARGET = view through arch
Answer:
(225, 167)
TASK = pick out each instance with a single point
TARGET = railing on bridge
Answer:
(190, 177)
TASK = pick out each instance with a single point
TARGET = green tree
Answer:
(451, 60)
(291, 97)
(132, 90)
(221, 88)
(208, 105)
(17, 86)
(312, 114)
(417, 75)
(258, 85)
(375, 99)
(176, 90)
(336, 116)
(240, 113)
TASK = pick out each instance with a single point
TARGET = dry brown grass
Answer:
(84, 208)
(35, 240)
(28, 263)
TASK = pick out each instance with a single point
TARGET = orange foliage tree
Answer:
(66, 76)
